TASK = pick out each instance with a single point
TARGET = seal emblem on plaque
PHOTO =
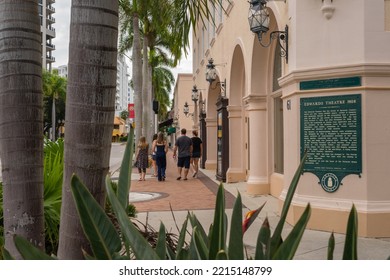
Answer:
(330, 182)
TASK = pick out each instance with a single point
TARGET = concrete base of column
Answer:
(210, 165)
(235, 175)
(335, 220)
(257, 188)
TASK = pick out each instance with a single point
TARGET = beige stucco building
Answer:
(335, 85)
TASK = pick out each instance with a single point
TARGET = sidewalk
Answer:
(153, 200)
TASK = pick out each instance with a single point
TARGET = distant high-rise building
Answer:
(122, 85)
(46, 11)
(63, 71)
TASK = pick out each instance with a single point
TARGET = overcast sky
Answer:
(61, 41)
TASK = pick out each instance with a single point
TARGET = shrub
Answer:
(53, 175)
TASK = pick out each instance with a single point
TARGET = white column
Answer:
(258, 181)
(236, 170)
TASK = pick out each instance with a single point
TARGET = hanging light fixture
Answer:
(259, 24)
(186, 109)
(195, 94)
(211, 76)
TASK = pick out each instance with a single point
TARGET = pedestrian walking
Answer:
(196, 152)
(161, 147)
(142, 157)
(154, 165)
(183, 146)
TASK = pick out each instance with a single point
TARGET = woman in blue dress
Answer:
(161, 147)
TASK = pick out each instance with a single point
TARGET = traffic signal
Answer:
(155, 106)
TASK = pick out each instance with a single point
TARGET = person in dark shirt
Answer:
(196, 152)
(183, 145)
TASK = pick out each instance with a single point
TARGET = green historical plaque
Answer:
(331, 132)
(331, 83)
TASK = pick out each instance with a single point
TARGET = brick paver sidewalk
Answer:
(193, 194)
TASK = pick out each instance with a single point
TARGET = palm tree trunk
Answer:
(53, 119)
(145, 96)
(137, 77)
(150, 97)
(21, 122)
(89, 111)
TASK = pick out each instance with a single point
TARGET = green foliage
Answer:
(53, 174)
(54, 87)
(124, 114)
(107, 243)
(98, 228)
(350, 245)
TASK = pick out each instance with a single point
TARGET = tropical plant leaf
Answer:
(236, 243)
(29, 251)
(276, 239)
(222, 255)
(218, 234)
(182, 236)
(195, 223)
(350, 246)
(161, 247)
(124, 180)
(141, 248)
(183, 255)
(53, 169)
(193, 253)
(201, 247)
(263, 242)
(331, 245)
(99, 230)
(287, 249)
(6, 254)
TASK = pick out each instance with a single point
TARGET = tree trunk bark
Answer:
(151, 129)
(21, 122)
(90, 106)
(137, 78)
(145, 95)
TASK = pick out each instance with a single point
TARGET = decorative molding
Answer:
(255, 102)
(339, 204)
(364, 70)
(327, 9)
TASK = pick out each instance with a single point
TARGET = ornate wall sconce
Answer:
(211, 76)
(259, 24)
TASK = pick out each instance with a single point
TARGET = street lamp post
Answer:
(203, 131)
(195, 98)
